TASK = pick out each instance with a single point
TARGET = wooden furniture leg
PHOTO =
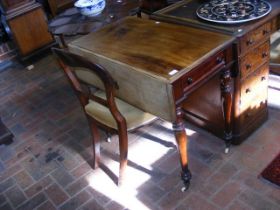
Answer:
(95, 143)
(182, 143)
(226, 96)
(123, 147)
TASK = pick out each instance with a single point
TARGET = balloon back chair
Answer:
(101, 107)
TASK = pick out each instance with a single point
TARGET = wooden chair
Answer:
(102, 108)
(275, 54)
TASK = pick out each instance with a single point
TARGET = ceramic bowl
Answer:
(90, 7)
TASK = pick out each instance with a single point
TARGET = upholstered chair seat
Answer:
(134, 116)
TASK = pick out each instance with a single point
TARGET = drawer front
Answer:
(254, 59)
(190, 80)
(250, 115)
(203, 71)
(254, 37)
(254, 89)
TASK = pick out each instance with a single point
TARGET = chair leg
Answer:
(123, 147)
(95, 143)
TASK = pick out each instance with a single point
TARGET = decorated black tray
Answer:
(233, 11)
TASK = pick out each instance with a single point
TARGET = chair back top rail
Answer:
(67, 60)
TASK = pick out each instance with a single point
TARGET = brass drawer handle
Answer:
(248, 90)
(248, 66)
(250, 42)
(264, 54)
(189, 80)
(220, 59)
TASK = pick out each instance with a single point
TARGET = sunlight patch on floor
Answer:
(147, 152)
(125, 195)
(143, 154)
(169, 126)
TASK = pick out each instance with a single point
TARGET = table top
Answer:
(146, 58)
(162, 50)
(184, 12)
(71, 22)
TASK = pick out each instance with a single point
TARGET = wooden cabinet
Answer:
(8, 6)
(251, 82)
(27, 24)
(57, 6)
(250, 72)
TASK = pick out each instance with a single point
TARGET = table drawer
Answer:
(203, 71)
(254, 59)
(254, 89)
(254, 37)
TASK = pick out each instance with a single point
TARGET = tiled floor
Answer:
(48, 164)
(7, 52)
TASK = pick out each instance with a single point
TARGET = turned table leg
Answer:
(226, 95)
(182, 143)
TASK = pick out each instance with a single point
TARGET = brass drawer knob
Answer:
(248, 114)
(248, 66)
(264, 54)
(263, 78)
(248, 90)
(220, 59)
(189, 80)
(250, 42)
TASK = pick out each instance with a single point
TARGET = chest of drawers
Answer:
(251, 80)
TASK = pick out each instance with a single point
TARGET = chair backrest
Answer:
(69, 61)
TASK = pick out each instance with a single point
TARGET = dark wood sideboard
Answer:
(26, 23)
(250, 75)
